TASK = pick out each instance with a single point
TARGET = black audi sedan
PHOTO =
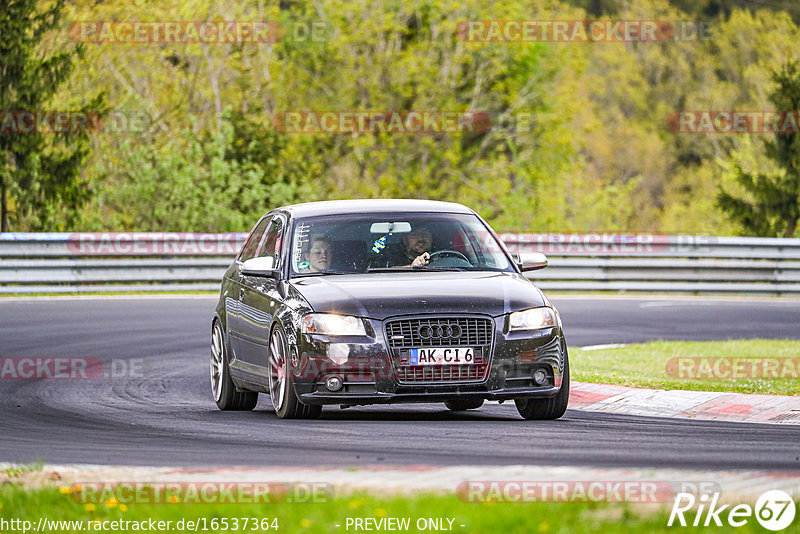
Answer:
(358, 302)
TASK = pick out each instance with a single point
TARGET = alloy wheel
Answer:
(277, 370)
(217, 362)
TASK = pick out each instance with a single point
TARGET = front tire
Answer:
(547, 409)
(463, 405)
(281, 382)
(222, 388)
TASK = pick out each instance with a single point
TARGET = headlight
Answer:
(333, 325)
(532, 319)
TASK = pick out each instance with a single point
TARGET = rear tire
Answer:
(463, 405)
(281, 382)
(222, 388)
(547, 409)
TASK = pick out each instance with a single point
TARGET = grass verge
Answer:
(763, 366)
(16, 470)
(52, 504)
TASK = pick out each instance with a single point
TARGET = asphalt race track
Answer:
(159, 410)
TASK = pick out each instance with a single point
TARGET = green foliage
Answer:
(219, 180)
(771, 205)
(39, 173)
(410, 59)
(579, 138)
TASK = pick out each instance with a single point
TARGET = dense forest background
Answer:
(580, 139)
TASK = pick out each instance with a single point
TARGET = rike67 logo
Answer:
(774, 510)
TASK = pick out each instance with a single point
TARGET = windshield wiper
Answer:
(388, 269)
(415, 268)
(437, 269)
(322, 273)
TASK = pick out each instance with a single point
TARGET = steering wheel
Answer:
(448, 252)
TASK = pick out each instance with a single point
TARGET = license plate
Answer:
(441, 356)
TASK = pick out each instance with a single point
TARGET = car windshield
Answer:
(379, 242)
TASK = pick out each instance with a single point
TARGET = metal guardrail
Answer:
(127, 262)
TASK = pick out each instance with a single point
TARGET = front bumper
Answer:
(427, 396)
(368, 369)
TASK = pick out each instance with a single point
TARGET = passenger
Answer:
(318, 255)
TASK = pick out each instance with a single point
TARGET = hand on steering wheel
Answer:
(422, 259)
(448, 252)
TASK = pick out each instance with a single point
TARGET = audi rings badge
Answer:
(439, 331)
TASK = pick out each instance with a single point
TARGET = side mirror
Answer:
(531, 261)
(264, 267)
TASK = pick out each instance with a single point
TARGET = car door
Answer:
(234, 294)
(259, 298)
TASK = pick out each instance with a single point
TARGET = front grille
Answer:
(474, 332)
(405, 334)
(442, 373)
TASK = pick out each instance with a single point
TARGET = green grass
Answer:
(646, 365)
(16, 470)
(323, 517)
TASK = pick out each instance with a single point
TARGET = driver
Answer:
(417, 245)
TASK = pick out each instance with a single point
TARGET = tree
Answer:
(409, 56)
(217, 180)
(39, 172)
(771, 204)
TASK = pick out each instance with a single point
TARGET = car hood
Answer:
(382, 295)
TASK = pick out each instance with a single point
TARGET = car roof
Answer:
(342, 207)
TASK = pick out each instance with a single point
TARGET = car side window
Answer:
(271, 246)
(251, 245)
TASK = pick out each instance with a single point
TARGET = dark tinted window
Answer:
(271, 245)
(251, 245)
